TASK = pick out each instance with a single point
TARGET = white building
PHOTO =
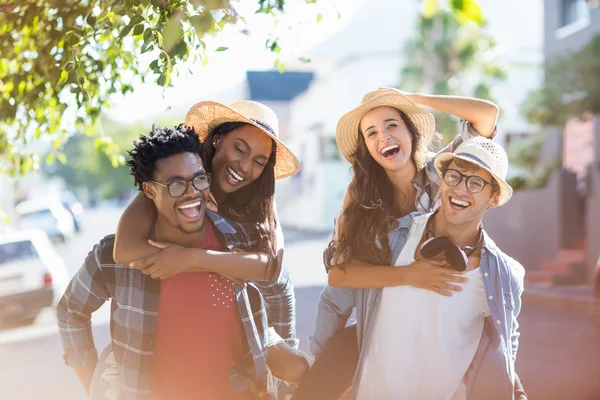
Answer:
(368, 54)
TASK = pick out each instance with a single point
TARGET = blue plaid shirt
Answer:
(134, 311)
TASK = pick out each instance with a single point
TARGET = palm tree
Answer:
(451, 55)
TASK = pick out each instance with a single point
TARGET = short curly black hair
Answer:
(158, 144)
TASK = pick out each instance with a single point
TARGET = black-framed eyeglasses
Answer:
(178, 187)
(475, 184)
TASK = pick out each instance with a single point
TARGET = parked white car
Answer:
(33, 276)
(51, 217)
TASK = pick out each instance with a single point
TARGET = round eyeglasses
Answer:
(475, 184)
(178, 187)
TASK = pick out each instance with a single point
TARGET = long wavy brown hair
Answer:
(370, 207)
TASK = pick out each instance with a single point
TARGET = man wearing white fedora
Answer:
(415, 344)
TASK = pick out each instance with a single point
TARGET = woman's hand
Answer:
(434, 275)
(172, 260)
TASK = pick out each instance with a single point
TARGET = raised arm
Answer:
(482, 114)
(133, 231)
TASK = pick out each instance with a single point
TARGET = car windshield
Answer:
(17, 251)
(36, 215)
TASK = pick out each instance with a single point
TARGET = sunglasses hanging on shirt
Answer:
(457, 257)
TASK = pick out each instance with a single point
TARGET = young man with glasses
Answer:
(415, 344)
(206, 325)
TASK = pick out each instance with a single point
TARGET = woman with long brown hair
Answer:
(387, 140)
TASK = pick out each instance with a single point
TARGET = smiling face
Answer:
(240, 158)
(459, 205)
(387, 137)
(186, 212)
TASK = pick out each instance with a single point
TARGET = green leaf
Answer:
(222, 48)
(279, 65)
(182, 49)
(50, 158)
(172, 34)
(147, 34)
(64, 75)
(304, 60)
(146, 47)
(430, 8)
(125, 31)
(319, 17)
(468, 11)
(138, 30)
(61, 157)
(91, 20)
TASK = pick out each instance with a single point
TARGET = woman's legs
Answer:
(331, 374)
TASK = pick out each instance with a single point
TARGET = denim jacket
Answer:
(492, 371)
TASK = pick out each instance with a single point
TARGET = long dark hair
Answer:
(254, 202)
(370, 207)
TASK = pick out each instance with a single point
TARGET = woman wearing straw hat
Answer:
(245, 156)
(386, 139)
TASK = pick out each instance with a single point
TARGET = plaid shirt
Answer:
(135, 299)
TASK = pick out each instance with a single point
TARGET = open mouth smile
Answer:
(233, 176)
(458, 204)
(389, 152)
(191, 210)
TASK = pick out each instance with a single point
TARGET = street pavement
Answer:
(559, 353)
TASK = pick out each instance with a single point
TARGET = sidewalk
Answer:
(579, 297)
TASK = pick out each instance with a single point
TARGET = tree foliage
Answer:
(571, 87)
(526, 155)
(89, 164)
(450, 49)
(63, 57)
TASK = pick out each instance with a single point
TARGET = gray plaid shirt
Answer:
(135, 299)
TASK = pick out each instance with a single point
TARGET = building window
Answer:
(574, 16)
(571, 11)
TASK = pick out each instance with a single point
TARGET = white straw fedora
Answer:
(207, 115)
(486, 154)
(347, 130)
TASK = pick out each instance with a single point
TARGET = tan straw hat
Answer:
(207, 115)
(486, 154)
(347, 131)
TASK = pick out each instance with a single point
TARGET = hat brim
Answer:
(347, 130)
(505, 190)
(207, 115)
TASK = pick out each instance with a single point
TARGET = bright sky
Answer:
(298, 33)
